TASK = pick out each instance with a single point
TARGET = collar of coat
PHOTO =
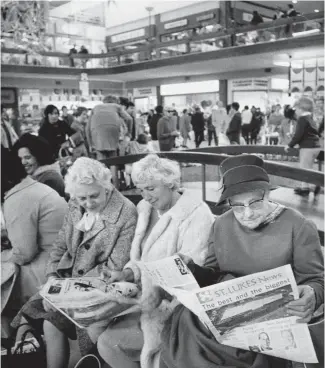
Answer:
(187, 203)
(111, 212)
(42, 169)
(26, 182)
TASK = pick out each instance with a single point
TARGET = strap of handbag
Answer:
(23, 342)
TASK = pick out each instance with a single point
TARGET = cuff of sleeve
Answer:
(73, 145)
(136, 271)
(319, 294)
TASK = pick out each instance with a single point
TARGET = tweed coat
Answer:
(108, 243)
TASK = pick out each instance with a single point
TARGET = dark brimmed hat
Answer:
(243, 173)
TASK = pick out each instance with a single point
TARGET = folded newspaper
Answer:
(247, 312)
(88, 300)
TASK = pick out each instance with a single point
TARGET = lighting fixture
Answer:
(316, 11)
(295, 1)
(281, 63)
(305, 33)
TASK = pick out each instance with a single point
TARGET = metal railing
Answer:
(299, 26)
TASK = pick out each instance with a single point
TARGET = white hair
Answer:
(152, 167)
(87, 171)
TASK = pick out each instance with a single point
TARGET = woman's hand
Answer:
(66, 144)
(303, 307)
(185, 259)
(48, 307)
(157, 294)
(110, 276)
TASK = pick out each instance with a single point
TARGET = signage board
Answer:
(144, 92)
(177, 23)
(128, 35)
(205, 17)
(250, 84)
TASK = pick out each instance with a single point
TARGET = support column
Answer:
(223, 92)
(225, 15)
(159, 97)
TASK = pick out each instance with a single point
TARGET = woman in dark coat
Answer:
(55, 131)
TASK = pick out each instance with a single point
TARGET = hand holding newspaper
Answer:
(88, 300)
(247, 313)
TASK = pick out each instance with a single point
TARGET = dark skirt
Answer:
(34, 312)
(187, 343)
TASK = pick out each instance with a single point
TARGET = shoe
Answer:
(302, 192)
(88, 361)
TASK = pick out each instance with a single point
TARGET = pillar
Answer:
(159, 97)
(223, 91)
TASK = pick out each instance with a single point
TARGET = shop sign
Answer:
(251, 84)
(204, 17)
(178, 23)
(128, 35)
(144, 92)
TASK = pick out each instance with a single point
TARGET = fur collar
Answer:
(53, 167)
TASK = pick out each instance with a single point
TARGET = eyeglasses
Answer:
(169, 111)
(253, 205)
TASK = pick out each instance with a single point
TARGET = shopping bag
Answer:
(28, 352)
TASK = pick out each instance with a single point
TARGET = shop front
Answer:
(144, 99)
(182, 96)
(259, 92)
(128, 41)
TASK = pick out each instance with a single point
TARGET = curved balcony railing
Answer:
(300, 26)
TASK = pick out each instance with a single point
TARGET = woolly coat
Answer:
(185, 229)
(107, 243)
(33, 214)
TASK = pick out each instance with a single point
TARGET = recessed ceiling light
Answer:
(295, 1)
(316, 11)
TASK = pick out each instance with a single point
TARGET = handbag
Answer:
(28, 352)
(65, 159)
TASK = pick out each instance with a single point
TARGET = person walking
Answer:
(103, 130)
(153, 122)
(198, 126)
(234, 128)
(219, 119)
(307, 137)
(185, 127)
(246, 117)
(166, 131)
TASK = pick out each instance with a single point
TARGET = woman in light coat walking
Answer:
(185, 127)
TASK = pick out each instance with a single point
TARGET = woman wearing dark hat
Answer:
(255, 235)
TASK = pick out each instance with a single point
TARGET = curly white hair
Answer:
(152, 167)
(87, 171)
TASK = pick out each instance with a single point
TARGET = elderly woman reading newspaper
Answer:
(170, 221)
(255, 235)
(96, 236)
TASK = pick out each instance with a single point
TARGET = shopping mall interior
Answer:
(179, 75)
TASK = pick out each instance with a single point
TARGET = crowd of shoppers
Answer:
(99, 233)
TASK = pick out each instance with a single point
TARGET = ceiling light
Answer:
(305, 33)
(316, 11)
(281, 63)
(295, 1)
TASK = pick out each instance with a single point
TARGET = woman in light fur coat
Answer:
(169, 222)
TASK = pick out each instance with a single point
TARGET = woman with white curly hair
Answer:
(96, 235)
(170, 221)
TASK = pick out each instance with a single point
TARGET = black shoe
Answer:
(302, 192)
(88, 361)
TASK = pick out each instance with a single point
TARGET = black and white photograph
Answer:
(133, 131)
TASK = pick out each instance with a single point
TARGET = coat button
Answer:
(87, 246)
(81, 272)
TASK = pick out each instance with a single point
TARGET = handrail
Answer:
(158, 44)
(276, 169)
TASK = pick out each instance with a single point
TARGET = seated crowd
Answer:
(100, 233)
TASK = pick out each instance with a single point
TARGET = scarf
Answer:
(272, 216)
(87, 221)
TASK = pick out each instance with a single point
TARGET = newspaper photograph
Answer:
(85, 300)
(247, 312)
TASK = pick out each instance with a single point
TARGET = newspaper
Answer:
(88, 300)
(247, 312)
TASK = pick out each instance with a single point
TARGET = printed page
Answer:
(171, 272)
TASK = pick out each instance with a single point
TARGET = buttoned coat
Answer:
(107, 243)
